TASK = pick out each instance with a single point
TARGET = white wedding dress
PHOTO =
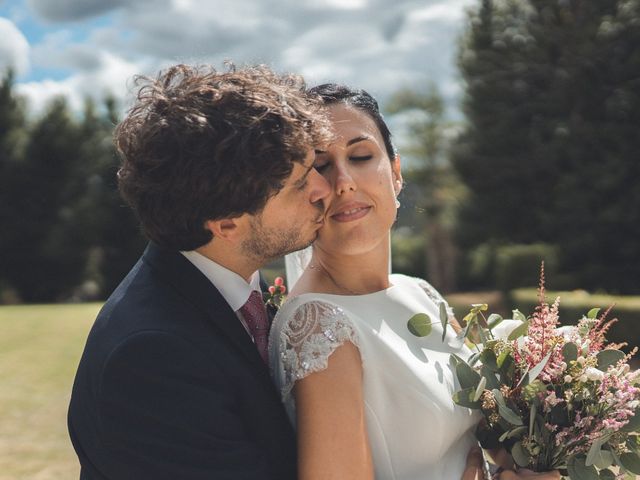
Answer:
(416, 432)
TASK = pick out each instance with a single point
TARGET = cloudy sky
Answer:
(91, 47)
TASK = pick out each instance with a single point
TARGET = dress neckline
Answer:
(391, 286)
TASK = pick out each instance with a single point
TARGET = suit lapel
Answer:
(199, 291)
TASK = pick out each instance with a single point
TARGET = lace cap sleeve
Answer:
(434, 295)
(307, 339)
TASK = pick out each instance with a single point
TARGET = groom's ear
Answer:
(226, 228)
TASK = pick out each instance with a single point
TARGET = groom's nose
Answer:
(320, 188)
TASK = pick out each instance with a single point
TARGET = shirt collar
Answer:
(231, 286)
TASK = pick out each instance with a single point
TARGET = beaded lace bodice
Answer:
(415, 430)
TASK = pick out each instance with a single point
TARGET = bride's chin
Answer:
(347, 244)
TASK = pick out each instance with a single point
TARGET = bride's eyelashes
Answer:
(361, 158)
(321, 166)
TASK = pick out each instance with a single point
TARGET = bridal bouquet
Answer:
(555, 398)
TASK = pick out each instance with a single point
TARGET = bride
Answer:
(368, 399)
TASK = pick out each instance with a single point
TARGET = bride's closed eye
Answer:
(361, 158)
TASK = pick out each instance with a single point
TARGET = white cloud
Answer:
(379, 45)
(14, 48)
(111, 77)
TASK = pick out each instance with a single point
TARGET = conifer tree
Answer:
(547, 151)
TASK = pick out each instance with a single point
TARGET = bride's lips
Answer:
(350, 212)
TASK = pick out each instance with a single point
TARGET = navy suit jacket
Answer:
(170, 386)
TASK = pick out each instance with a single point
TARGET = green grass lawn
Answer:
(40, 347)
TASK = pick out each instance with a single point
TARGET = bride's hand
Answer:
(525, 474)
(506, 472)
(473, 469)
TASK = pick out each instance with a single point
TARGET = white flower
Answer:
(568, 378)
(594, 374)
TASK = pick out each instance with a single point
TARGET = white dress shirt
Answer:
(233, 288)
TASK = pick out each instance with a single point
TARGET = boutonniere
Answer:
(274, 297)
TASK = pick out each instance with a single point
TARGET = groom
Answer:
(173, 382)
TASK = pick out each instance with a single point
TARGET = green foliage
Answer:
(407, 254)
(516, 265)
(420, 325)
(549, 151)
(431, 186)
(67, 231)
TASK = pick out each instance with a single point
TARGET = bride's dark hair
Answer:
(332, 93)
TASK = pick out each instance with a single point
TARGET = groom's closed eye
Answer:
(301, 183)
(321, 163)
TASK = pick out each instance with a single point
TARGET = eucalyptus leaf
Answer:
(477, 307)
(518, 315)
(457, 358)
(504, 411)
(489, 360)
(506, 366)
(467, 376)
(479, 389)
(420, 325)
(470, 317)
(570, 352)
(492, 380)
(535, 371)
(464, 398)
(598, 457)
(603, 459)
(494, 320)
(516, 431)
(631, 462)
(607, 474)
(532, 419)
(524, 379)
(502, 358)
(519, 331)
(444, 319)
(593, 313)
(579, 471)
(633, 443)
(634, 423)
(607, 358)
(520, 455)
(473, 359)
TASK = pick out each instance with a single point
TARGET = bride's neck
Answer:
(353, 274)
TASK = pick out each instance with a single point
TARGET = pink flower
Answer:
(278, 282)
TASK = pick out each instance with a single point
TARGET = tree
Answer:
(12, 138)
(47, 263)
(114, 240)
(547, 151)
(431, 182)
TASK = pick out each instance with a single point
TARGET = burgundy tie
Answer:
(255, 316)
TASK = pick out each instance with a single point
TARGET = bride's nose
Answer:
(344, 180)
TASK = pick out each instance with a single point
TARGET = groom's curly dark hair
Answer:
(200, 144)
